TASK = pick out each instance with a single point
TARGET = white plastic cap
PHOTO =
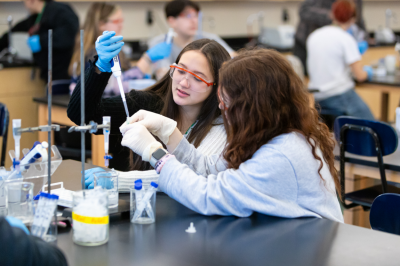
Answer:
(45, 144)
(16, 123)
(191, 229)
(106, 119)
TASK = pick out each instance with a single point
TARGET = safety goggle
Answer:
(189, 15)
(116, 21)
(177, 73)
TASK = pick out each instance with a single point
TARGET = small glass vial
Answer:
(90, 217)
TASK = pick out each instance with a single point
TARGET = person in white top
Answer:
(279, 158)
(182, 17)
(332, 63)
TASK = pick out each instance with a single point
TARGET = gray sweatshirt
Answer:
(281, 179)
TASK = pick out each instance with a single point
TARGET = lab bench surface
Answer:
(256, 240)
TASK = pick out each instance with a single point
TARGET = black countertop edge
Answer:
(15, 63)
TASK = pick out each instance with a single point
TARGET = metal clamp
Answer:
(92, 127)
(46, 128)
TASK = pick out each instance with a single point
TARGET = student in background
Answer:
(278, 159)
(18, 248)
(100, 17)
(315, 14)
(182, 16)
(45, 15)
(333, 60)
(104, 17)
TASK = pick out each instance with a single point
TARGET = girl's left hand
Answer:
(158, 125)
(140, 141)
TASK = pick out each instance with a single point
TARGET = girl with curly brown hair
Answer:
(278, 159)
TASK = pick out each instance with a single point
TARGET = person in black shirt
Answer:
(18, 248)
(45, 15)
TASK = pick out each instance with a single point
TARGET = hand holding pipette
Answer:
(108, 46)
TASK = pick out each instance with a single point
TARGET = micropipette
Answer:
(106, 133)
(116, 70)
(170, 35)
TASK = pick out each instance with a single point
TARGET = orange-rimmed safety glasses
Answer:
(196, 83)
(189, 15)
(116, 21)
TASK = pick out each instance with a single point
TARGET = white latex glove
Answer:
(158, 125)
(140, 141)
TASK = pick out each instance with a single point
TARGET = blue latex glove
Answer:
(369, 71)
(107, 48)
(160, 51)
(14, 222)
(34, 43)
(105, 183)
(89, 177)
(362, 46)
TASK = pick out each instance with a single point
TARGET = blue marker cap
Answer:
(154, 184)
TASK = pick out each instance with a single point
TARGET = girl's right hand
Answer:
(158, 125)
(107, 47)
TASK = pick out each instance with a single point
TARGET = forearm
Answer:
(208, 195)
(94, 87)
(144, 63)
(203, 165)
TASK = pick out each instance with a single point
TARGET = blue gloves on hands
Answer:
(14, 222)
(363, 47)
(369, 71)
(160, 51)
(34, 43)
(89, 177)
(105, 183)
(107, 48)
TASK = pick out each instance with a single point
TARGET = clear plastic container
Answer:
(19, 200)
(143, 204)
(90, 217)
(109, 182)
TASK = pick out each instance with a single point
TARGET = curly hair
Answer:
(265, 98)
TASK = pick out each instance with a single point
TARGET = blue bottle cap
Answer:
(15, 163)
(154, 184)
(53, 196)
(138, 181)
(138, 186)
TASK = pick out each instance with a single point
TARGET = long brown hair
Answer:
(265, 98)
(98, 13)
(216, 55)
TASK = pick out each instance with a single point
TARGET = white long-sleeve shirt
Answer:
(281, 179)
(213, 143)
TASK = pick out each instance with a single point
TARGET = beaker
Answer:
(147, 216)
(109, 182)
(19, 200)
(90, 217)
